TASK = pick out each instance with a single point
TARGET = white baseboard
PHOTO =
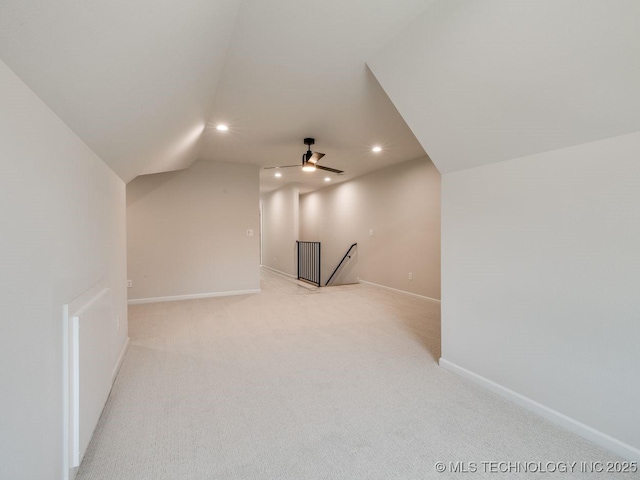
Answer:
(278, 271)
(591, 434)
(120, 360)
(137, 301)
(400, 291)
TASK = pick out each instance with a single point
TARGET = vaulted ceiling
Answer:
(144, 83)
(481, 82)
(135, 80)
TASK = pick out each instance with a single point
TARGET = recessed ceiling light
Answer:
(278, 175)
(327, 179)
(221, 127)
(376, 149)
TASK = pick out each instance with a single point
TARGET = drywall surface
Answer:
(540, 276)
(63, 231)
(135, 80)
(280, 229)
(482, 82)
(187, 231)
(394, 216)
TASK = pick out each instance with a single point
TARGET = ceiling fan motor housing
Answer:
(307, 156)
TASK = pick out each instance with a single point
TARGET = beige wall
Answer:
(63, 231)
(187, 231)
(280, 229)
(401, 204)
(540, 280)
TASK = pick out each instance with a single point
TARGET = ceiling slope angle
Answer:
(135, 80)
(297, 69)
(483, 82)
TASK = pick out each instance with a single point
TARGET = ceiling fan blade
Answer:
(281, 166)
(315, 158)
(329, 169)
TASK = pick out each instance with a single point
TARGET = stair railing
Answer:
(346, 255)
(309, 262)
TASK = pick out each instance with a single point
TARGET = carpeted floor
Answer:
(301, 383)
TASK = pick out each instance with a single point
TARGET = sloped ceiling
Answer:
(296, 69)
(135, 80)
(143, 83)
(485, 81)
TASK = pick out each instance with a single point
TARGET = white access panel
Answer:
(89, 324)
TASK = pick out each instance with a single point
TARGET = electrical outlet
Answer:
(249, 232)
(410, 276)
(129, 283)
(371, 232)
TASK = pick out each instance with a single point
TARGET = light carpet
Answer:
(297, 383)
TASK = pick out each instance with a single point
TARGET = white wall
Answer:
(401, 204)
(187, 231)
(541, 269)
(63, 230)
(280, 229)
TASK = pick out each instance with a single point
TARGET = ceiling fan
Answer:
(310, 160)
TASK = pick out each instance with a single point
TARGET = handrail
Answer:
(340, 264)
